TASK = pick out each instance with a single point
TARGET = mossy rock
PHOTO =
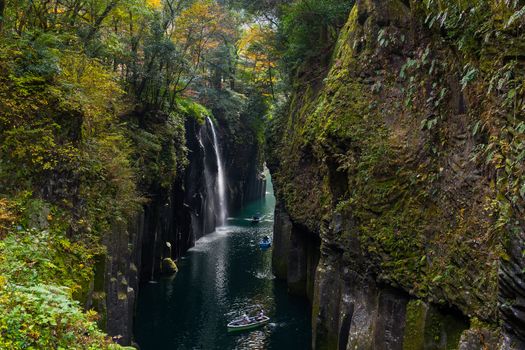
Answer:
(443, 331)
(169, 267)
(120, 347)
(429, 328)
(414, 337)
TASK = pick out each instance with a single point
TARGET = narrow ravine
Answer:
(137, 140)
(222, 275)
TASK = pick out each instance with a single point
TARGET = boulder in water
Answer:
(168, 266)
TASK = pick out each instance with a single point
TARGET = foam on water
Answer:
(203, 243)
(264, 275)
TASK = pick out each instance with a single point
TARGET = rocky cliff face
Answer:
(116, 282)
(391, 214)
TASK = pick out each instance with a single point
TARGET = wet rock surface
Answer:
(512, 289)
(117, 280)
(169, 267)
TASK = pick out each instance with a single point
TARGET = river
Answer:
(224, 274)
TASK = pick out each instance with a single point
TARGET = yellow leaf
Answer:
(154, 3)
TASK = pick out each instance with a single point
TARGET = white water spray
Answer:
(221, 178)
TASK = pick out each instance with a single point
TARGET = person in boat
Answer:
(266, 239)
(261, 315)
(245, 318)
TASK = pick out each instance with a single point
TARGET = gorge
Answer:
(223, 275)
(380, 142)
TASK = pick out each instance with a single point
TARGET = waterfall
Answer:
(221, 178)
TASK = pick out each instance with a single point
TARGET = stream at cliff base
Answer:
(224, 273)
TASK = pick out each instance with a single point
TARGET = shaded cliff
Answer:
(136, 245)
(403, 162)
(187, 209)
(184, 210)
(241, 130)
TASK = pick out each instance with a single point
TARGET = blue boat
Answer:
(265, 243)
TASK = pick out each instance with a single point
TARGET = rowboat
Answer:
(242, 324)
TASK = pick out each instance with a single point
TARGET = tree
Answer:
(201, 30)
(99, 18)
(308, 30)
(257, 48)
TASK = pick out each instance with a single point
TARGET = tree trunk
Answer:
(98, 21)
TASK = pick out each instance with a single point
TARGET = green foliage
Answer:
(67, 128)
(64, 168)
(310, 28)
(256, 111)
(160, 150)
(44, 317)
(470, 75)
(466, 23)
(193, 109)
(41, 271)
(37, 256)
(488, 35)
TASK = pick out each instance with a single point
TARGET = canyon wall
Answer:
(395, 213)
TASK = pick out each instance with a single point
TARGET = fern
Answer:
(515, 16)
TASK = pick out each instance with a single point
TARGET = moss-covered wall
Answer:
(397, 143)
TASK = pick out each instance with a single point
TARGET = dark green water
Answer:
(225, 273)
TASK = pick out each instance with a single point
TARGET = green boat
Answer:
(243, 324)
